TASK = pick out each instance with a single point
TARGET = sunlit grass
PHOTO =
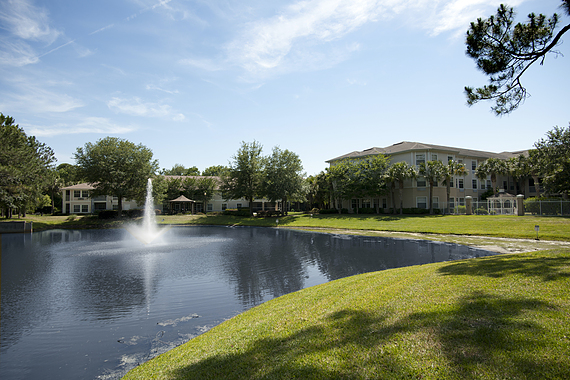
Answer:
(495, 317)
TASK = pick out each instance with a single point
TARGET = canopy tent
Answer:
(182, 204)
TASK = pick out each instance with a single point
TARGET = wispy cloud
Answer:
(34, 97)
(26, 21)
(204, 64)
(309, 34)
(98, 125)
(136, 107)
(456, 15)
(17, 53)
(265, 44)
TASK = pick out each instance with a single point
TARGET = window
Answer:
(449, 158)
(434, 157)
(420, 159)
(67, 195)
(76, 208)
(384, 204)
(224, 206)
(421, 202)
(354, 204)
(451, 182)
(85, 194)
(366, 203)
(460, 183)
(421, 182)
(489, 184)
(474, 183)
(473, 165)
(115, 207)
(76, 193)
(84, 208)
(462, 201)
(482, 185)
(210, 207)
(435, 202)
(451, 202)
(238, 205)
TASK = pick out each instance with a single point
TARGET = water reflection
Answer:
(88, 304)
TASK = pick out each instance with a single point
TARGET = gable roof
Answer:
(79, 186)
(408, 146)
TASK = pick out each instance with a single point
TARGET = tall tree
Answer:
(504, 52)
(554, 157)
(283, 177)
(244, 177)
(25, 167)
(453, 169)
(397, 174)
(215, 170)
(433, 171)
(491, 167)
(117, 167)
(341, 177)
(371, 176)
(179, 169)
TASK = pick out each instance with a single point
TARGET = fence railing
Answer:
(547, 207)
(508, 207)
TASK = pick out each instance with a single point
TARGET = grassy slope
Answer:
(496, 317)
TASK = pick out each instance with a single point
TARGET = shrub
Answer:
(481, 211)
(367, 210)
(134, 213)
(237, 212)
(108, 214)
(314, 211)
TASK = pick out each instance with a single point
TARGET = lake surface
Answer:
(92, 304)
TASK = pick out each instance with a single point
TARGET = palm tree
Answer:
(492, 167)
(433, 171)
(453, 168)
(398, 173)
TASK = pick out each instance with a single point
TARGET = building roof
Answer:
(182, 198)
(79, 186)
(408, 146)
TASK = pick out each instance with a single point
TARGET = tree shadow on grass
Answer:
(548, 268)
(480, 336)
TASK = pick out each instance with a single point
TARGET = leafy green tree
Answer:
(504, 52)
(370, 176)
(398, 173)
(491, 167)
(117, 167)
(452, 169)
(179, 169)
(341, 177)
(283, 177)
(553, 154)
(215, 170)
(318, 193)
(25, 167)
(434, 172)
(244, 177)
(69, 174)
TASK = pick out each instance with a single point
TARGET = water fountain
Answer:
(149, 230)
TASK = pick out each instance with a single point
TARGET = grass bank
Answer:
(495, 317)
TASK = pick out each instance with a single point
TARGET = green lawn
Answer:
(500, 317)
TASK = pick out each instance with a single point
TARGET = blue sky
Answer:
(192, 79)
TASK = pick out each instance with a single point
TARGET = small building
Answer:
(76, 199)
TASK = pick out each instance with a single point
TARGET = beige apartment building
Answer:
(415, 194)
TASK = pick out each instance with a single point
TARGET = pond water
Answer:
(92, 304)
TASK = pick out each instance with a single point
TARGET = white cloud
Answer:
(99, 125)
(204, 64)
(264, 44)
(457, 14)
(137, 107)
(27, 21)
(309, 34)
(34, 98)
(17, 53)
